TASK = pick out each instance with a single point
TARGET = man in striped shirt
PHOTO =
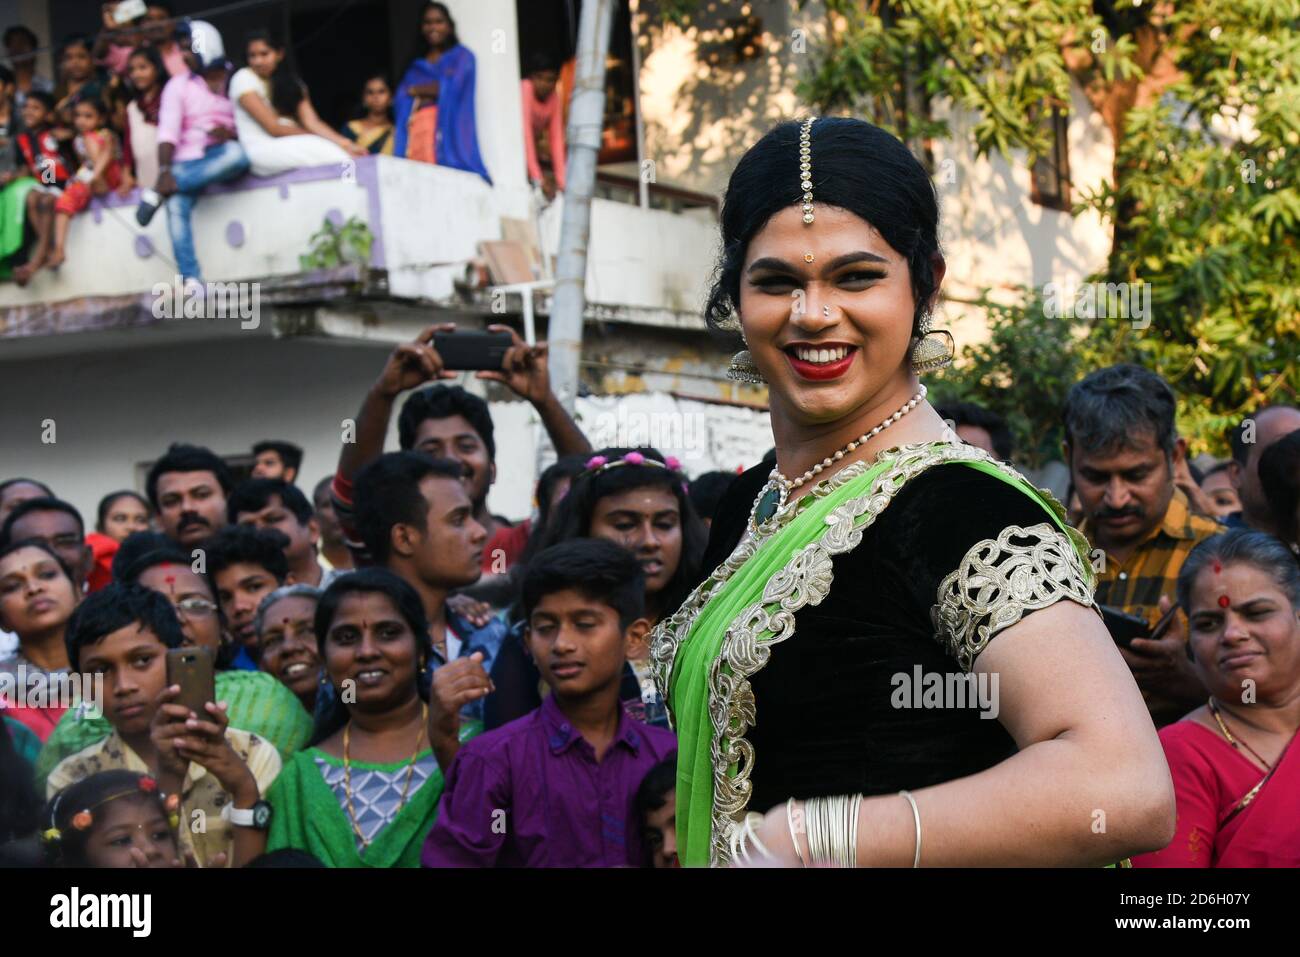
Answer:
(1123, 451)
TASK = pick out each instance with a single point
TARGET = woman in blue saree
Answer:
(442, 81)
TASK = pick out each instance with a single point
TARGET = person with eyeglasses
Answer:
(257, 702)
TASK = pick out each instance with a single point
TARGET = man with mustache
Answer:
(1124, 452)
(188, 488)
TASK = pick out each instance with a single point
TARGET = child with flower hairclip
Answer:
(112, 819)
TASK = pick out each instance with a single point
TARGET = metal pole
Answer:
(643, 188)
(586, 119)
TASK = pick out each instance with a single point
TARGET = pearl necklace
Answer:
(769, 503)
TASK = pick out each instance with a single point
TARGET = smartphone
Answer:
(472, 350)
(1124, 627)
(194, 669)
(129, 10)
(1160, 627)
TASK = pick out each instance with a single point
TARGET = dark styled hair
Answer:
(1248, 546)
(968, 413)
(116, 606)
(290, 454)
(138, 544)
(654, 788)
(287, 88)
(595, 568)
(155, 59)
(1109, 409)
(442, 402)
(181, 457)
(19, 30)
(707, 491)
(573, 517)
(408, 604)
(387, 493)
(240, 544)
(1279, 474)
(106, 505)
(855, 166)
(38, 505)
(169, 554)
(91, 793)
(253, 495)
(1240, 447)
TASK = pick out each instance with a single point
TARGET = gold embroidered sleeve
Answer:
(1000, 580)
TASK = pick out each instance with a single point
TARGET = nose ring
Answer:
(826, 311)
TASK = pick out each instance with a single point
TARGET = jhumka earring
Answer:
(931, 350)
(742, 367)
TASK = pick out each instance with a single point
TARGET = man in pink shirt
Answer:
(196, 147)
(543, 115)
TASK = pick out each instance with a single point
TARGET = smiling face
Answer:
(36, 116)
(1242, 628)
(289, 647)
(578, 644)
(192, 598)
(191, 506)
(36, 597)
(647, 522)
(454, 438)
(370, 645)
(832, 334)
(133, 661)
(435, 27)
(240, 589)
(130, 822)
(126, 515)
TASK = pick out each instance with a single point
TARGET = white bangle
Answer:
(789, 819)
(916, 816)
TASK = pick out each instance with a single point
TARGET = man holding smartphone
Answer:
(448, 422)
(1124, 453)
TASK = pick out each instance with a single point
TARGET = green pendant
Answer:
(767, 505)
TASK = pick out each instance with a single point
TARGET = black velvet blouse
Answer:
(826, 718)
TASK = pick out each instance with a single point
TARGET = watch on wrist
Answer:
(258, 816)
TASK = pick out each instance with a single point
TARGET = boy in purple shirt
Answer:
(556, 787)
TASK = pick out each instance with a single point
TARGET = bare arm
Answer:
(312, 123)
(1089, 785)
(266, 117)
(524, 370)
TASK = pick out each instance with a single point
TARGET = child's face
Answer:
(240, 589)
(578, 644)
(85, 118)
(661, 832)
(35, 115)
(370, 645)
(133, 662)
(76, 63)
(127, 823)
(142, 73)
(544, 82)
(377, 97)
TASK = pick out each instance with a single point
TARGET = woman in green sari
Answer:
(365, 793)
(896, 660)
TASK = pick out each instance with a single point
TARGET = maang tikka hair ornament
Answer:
(743, 368)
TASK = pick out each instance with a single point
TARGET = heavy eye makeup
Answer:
(777, 278)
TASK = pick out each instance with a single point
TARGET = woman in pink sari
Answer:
(1234, 761)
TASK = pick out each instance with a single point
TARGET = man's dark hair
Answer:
(595, 568)
(290, 454)
(19, 30)
(387, 493)
(187, 458)
(42, 97)
(707, 490)
(116, 606)
(1240, 447)
(38, 505)
(1279, 474)
(170, 555)
(253, 495)
(243, 544)
(138, 544)
(8, 483)
(655, 787)
(1111, 408)
(968, 413)
(442, 402)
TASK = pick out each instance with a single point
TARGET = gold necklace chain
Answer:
(347, 774)
(788, 484)
(1236, 743)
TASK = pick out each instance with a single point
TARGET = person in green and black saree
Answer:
(880, 554)
(365, 793)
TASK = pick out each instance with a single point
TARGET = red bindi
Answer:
(1217, 567)
(1223, 601)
